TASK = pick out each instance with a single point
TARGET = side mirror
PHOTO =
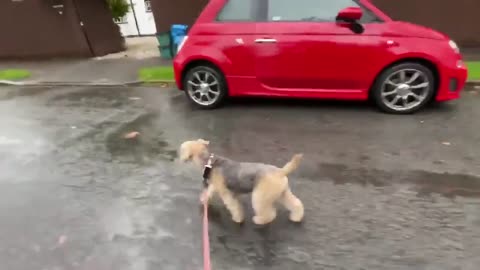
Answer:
(350, 14)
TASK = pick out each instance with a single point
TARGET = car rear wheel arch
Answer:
(204, 85)
(201, 62)
(422, 61)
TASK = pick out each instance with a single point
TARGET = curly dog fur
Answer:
(228, 179)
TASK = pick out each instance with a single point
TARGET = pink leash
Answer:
(206, 240)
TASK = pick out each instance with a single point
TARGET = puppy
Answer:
(227, 178)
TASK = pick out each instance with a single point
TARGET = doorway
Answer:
(139, 21)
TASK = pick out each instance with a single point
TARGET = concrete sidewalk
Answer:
(114, 71)
(117, 68)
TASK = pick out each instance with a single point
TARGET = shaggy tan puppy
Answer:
(228, 179)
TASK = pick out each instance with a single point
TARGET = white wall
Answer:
(145, 20)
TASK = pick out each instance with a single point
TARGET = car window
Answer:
(237, 10)
(312, 10)
(369, 17)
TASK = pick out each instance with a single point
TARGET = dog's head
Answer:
(193, 150)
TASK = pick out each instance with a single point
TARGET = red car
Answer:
(332, 49)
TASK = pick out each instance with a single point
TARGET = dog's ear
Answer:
(203, 141)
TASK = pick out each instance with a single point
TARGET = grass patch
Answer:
(14, 74)
(473, 70)
(151, 74)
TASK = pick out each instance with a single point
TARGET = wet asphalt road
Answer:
(381, 191)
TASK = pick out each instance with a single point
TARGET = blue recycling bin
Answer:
(178, 33)
(169, 41)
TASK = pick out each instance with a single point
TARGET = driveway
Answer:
(380, 191)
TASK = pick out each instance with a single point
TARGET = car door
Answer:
(300, 48)
(232, 33)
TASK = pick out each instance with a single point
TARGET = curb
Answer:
(475, 84)
(47, 83)
(160, 83)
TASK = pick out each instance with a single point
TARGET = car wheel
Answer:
(404, 88)
(205, 87)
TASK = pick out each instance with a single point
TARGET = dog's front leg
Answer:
(233, 205)
(207, 194)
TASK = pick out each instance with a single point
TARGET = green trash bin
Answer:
(165, 45)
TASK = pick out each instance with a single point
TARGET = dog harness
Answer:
(207, 170)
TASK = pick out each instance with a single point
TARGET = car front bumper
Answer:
(452, 81)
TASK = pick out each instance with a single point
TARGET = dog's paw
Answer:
(238, 219)
(258, 220)
(294, 217)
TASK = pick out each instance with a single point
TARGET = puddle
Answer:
(7, 93)
(342, 174)
(148, 145)
(425, 183)
(106, 97)
(447, 184)
(9, 141)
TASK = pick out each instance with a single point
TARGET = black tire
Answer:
(410, 67)
(214, 74)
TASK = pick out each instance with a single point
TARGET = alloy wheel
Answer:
(405, 89)
(203, 87)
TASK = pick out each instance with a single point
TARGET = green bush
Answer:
(118, 8)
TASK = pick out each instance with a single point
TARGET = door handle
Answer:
(265, 40)
(391, 43)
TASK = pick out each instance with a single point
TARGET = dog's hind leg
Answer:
(265, 212)
(268, 190)
(293, 204)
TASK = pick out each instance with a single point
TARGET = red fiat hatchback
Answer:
(333, 49)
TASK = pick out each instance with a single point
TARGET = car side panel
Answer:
(227, 45)
(322, 56)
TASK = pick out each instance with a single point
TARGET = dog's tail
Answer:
(292, 164)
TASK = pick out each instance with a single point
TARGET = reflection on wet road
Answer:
(380, 191)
